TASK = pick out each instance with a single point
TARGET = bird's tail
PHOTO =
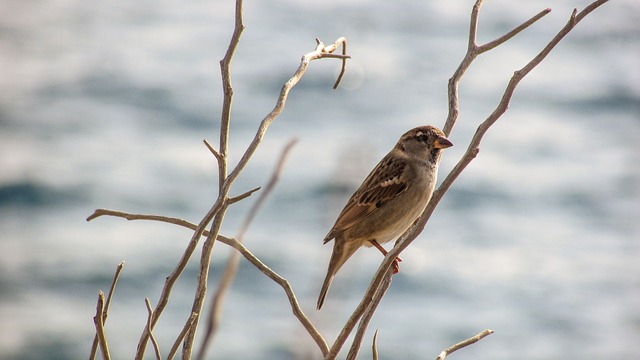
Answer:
(342, 251)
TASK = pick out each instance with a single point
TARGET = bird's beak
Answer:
(442, 143)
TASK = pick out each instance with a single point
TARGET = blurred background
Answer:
(106, 104)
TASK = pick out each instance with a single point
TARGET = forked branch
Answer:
(471, 153)
(99, 323)
(105, 309)
(230, 270)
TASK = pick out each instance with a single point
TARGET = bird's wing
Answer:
(385, 182)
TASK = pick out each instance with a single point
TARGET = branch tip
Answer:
(374, 346)
(242, 196)
(470, 341)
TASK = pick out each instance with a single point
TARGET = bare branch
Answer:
(218, 206)
(295, 306)
(203, 278)
(374, 346)
(367, 299)
(463, 344)
(97, 320)
(344, 64)
(183, 333)
(319, 53)
(293, 301)
(368, 314)
(504, 38)
(234, 258)
(502, 107)
(225, 71)
(242, 196)
(111, 290)
(473, 50)
(472, 151)
(218, 209)
(215, 215)
(105, 311)
(153, 339)
(165, 219)
(473, 26)
(473, 148)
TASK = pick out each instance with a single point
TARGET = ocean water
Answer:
(106, 104)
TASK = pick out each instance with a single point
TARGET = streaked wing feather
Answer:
(385, 182)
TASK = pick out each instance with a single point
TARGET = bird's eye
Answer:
(422, 137)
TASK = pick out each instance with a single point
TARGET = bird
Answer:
(389, 200)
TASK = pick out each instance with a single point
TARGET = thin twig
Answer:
(473, 147)
(357, 314)
(344, 64)
(235, 199)
(97, 320)
(223, 184)
(319, 53)
(336, 56)
(227, 88)
(405, 239)
(165, 219)
(473, 50)
(216, 213)
(295, 306)
(463, 344)
(183, 333)
(504, 38)
(234, 258)
(293, 301)
(153, 339)
(203, 279)
(374, 346)
(173, 277)
(106, 212)
(105, 311)
(111, 290)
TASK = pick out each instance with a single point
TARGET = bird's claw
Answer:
(396, 265)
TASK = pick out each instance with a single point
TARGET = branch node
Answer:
(153, 339)
(215, 153)
(99, 323)
(573, 18)
(344, 64)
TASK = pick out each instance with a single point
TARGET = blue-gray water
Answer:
(105, 104)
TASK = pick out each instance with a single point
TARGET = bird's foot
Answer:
(396, 261)
(396, 265)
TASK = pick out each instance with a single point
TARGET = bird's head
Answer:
(424, 142)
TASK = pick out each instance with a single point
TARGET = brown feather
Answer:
(384, 183)
(389, 200)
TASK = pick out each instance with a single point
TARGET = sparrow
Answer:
(389, 200)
